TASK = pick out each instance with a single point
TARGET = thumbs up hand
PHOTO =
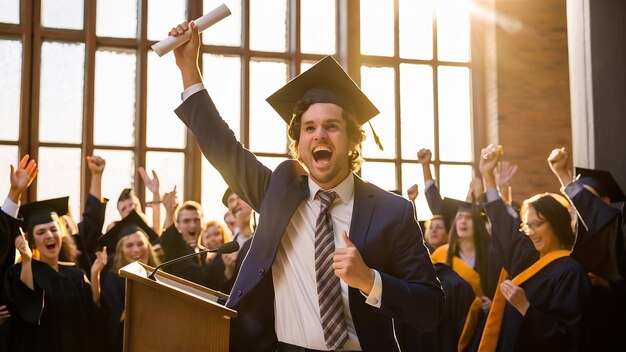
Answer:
(349, 266)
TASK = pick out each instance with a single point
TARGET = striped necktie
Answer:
(328, 286)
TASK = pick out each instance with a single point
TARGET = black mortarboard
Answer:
(227, 194)
(603, 182)
(452, 206)
(37, 213)
(128, 225)
(325, 82)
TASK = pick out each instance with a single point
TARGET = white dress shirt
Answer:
(296, 305)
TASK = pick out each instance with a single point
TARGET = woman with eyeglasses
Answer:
(543, 300)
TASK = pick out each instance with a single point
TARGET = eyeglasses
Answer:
(527, 227)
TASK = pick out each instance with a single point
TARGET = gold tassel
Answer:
(376, 139)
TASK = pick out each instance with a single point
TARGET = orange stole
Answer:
(489, 341)
(471, 276)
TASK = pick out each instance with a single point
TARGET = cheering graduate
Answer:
(334, 260)
(53, 305)
(543, 302)
(599, 244)
(131, 237)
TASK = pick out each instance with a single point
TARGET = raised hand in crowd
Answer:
(153, 185)
(22, 177)
(26, 275)
(96, 167)
(558, 160)
(96, 268)
(504, 172)
(424, 157)
(489, 158)
(476, 190)
(412, 192)
(170, 203)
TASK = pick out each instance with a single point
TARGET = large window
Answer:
(416, 64)
(79, 78)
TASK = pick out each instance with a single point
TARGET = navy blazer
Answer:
(383, 229)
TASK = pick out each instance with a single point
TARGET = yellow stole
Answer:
(489, 340)
(471, 276)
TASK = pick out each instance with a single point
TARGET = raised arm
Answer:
(170, 203)
(22, 177)
(187, 54)
(26, 274)
(96, 269)
(153, 185)
(424, 157)
(96, 167)
(558, 160)
(90, 227)
(433, 197)
(476, 191)
(514, 249)
(504, 172)
(9, 224)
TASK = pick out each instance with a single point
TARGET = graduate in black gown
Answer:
(543, 302)
(599, 244)
(53, 304)
(183, 226)
(131, 237)
(468, 251)
(20, 179)
(459, 297)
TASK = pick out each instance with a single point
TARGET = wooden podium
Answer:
(172, 314)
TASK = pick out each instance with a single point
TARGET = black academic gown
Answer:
(89, 230)
(174, 246)
(215, 278)
(113, 296)
(488, 279)
(559, 295)
(600, 249)
(59, 315)
(459, 298)
(8, 232)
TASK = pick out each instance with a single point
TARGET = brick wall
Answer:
(527, 89)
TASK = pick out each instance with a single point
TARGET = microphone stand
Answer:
(223, 249)
(179, 259)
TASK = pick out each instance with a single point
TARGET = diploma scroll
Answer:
(170, 43)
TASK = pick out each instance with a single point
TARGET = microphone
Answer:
(226, 248)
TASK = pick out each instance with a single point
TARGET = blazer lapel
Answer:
(361, 213)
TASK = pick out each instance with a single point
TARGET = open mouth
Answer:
(322, 154)
(51, 246)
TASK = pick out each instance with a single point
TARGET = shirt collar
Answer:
(344, 190)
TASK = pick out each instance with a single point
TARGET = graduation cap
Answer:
(603, 182)
(324, 82)
(452, 206)
(43, 212)
(227, 194)
(132, 223)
